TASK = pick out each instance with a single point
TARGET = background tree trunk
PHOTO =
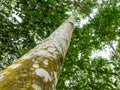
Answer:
(40, 68)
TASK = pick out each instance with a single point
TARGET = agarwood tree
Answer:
(41, 17)
(40, 68)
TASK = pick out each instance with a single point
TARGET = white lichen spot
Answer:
(55, 76)
(51, 49)
(1, 77)
(42, 53)
(32, 69)
(33, 59)
(13, 66)
(36, 48)
(4, 73)
(24, 75)
(57, 45)
(53, 86)
(45, 62)
(43, 73)
(46, 44)
(36, 87)
(26, 56)
(35, 65)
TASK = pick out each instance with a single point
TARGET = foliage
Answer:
(41, 17)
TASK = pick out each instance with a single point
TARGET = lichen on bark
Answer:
(40, 68)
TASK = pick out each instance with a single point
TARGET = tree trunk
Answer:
(40, 68)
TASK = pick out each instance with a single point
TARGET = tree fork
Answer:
(40, 68)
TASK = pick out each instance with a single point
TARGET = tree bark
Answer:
(40, 68)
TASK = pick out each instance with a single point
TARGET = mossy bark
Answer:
(39, 69)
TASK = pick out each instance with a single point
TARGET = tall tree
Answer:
(39, 18)
(40, 68)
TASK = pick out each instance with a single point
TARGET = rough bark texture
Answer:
(39, 69)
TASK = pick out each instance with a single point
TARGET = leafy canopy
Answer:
(23, 24)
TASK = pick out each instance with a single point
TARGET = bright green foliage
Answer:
(42, 17)
(39, 19)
